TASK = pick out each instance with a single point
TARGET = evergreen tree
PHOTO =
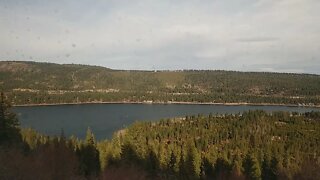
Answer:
(252, 167)
(237, 166)
(182, 166)
(129, 155)
(222, 169)
(9, 124)
(193, 163)
(152, 162)
(62, 136)
(207, 169)
(90, 139)
(269, 167)
(89, 156)
(162, 157)
(172, 163)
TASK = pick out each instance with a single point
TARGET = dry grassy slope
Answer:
(49, 76)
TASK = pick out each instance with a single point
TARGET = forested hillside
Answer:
(47, 83)
(251, 145)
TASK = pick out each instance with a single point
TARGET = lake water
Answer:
(105, 119)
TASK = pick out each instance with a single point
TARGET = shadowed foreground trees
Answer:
(30, 155)
(49, 158)
(9, 124)
(54, 159)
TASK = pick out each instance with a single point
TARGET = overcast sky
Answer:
(243, 35)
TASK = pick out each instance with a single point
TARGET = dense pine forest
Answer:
(48, 83)
(250, 145)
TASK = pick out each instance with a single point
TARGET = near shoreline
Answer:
(174, 102)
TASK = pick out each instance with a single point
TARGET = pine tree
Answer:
(89, 156)
(207, 168)
(62, 136)
(182, 166)
(90, 139)
(152, 162)
(222, 169)
(128, 154)
(193, 163)
(9, 124)
(237, 166)
(162, 157)
(252, 168)
(269, 167)
(172, 163)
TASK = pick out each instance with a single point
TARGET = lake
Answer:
(105, 119)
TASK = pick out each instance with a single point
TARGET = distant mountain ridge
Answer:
(48, 83)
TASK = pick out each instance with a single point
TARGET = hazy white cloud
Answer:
(258, 39)
(250, 35)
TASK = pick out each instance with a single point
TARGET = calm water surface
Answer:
(105, 119)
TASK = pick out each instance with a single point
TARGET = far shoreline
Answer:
(168, 103)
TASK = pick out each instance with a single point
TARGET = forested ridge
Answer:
(48, 83)
(248, 145)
